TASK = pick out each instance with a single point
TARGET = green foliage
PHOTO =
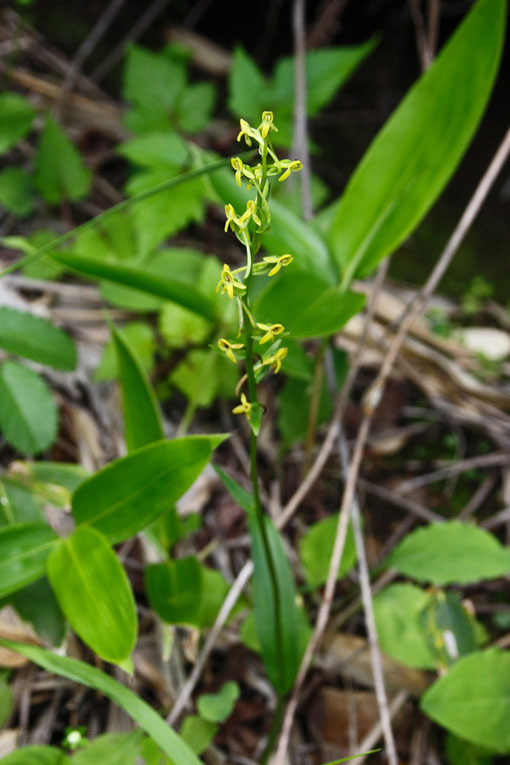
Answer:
(6, 701)
(111, 748)
(174, 590)
(198, 733)
(397, 611)
(250, 92)
(36, 755)
(316, 547)
(217, 707)
(148, 720)
(35, 338)
(103, 616)
(37, 604)
(24, 549)
(473, 699)
(28, 415)
(449, 628)
(426, 554)
(131, 492)
(401, 175)
(16, 192)
(59, 169)
(139, 335)
(461, 752)
(16, 117)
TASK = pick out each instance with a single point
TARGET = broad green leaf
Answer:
(174, 589)
(449, 628)
(281, 669)
(35, 338)
(16, 192)
(198, 733)
(307, 305)
(158, 148)
(28, 415)
(140, 337)
(414, 155)
(139, 279)
(36, 755)
(18, 504)
(473, 699)
(153, 80)
(459, 752)
(110, 749)
(217, 707)
(16, 117)
(94, 593)
(397, 610)
(194, 106)
(214, 590)
(247, 85)
(316, 547)
(129, 493)
(23, 552)
(426, 554)
(59, 169)
(37, 604)
(142, 418)
(149, 720)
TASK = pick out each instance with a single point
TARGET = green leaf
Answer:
(195, 105)
(281, 670)
(94, 593)
(139, 335)
(16, 192)
(405, 170)
(16, 117)
(37, 604)
(449, 628)
(316, 547)
(246, 86)
(129, 493)
(213, 591)
(18, 504)
(111, 748)
(473, 699)
(23, 552)
(59, 169)
(459, 752)
(292, 415)
(60, 474)
(152, 80)
(164, 736)
(140, 279)
(155, 149)
(397, 610)
(36, 755)
(322, 309)
(28, 415)
(174, 589)
(198, 733)
(35, 338)
(142, 418)
(217, 707)
(45, 267)
(6, 701)
(426, 554)
(203, 376)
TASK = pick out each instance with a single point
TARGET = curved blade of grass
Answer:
(352, 757)
(175, 181)
(149, 720)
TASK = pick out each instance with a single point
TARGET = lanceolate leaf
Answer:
(418, 149)
(23, 552)
(28, 415)
(142, 419)
(35, 338)
(149, 720)
(94, 593)
(129, 493)
(169, 289)
(473, 699)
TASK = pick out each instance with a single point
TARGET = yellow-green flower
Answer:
(276, 359)
(279, 262)
(267, 124)
(246, 131)
(229, 283)
(271, 331)
(289, 166)
(251, 212)
(229, 348)
(243, 407)
(231, 217)
(238, 166)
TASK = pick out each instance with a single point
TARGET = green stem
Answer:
(274, 731)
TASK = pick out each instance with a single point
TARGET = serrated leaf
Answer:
(59, 169)
(36, 338)
(149, 720)
(444, 553)
(131, 492)
(397, 612)
(401, 174)
(23, 552)
(142, 417)
(28, 415)
(94, 593)
(473, 699)
(152, 80)
(16, 117)
(16, 192)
